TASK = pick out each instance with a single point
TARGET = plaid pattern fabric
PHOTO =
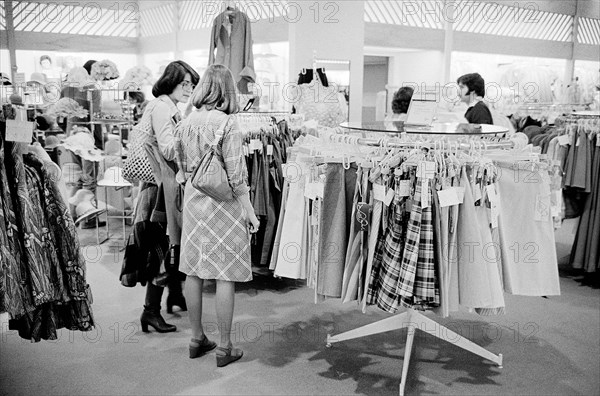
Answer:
(417, 279)
(215, 243)
(386, 261)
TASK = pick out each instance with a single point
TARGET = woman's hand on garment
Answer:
(253, 223)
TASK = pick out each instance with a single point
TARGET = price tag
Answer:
(319, 189)
(245, 150)
(270, 149)
(597, 140)
(448, 197)
(379, 192)
(578, 142)
(424, 193)
(310, 191)
(19, 131)
(255, 144)
(542, 208)
(389, 197)
(564, 140)
(404, 188)
(460, 193)
(494, 213)
(491, 193)
(477, 192)
(426, 169)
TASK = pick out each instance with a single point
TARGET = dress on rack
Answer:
(215, 242)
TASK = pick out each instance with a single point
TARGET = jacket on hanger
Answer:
(232, 38)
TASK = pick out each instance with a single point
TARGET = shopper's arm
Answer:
(164, 127)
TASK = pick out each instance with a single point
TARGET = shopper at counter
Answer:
(400, 104)
(472, 91)
(215, 241)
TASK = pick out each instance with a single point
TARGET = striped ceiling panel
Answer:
(420, 14)
(199, 14)
(157, 21)
(68, 19)
(2, 17)
(504, 20)
(588, 31)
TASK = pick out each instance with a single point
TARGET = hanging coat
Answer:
(233, 47)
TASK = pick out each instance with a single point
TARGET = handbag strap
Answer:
(219, 137)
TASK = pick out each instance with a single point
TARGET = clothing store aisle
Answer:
(550, 346)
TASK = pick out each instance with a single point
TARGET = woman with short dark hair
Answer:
(160, 117)
(215, 243)
(472, 91)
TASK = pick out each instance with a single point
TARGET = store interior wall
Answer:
(375, 80)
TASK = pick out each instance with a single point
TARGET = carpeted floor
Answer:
(549, 345)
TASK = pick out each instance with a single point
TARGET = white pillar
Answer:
(10, 39)
(335, 30)
(448, 42)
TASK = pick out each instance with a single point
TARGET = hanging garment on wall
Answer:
(231, 39)
(306, 76)
(324, 104)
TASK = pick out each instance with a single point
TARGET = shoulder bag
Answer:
(210, 176)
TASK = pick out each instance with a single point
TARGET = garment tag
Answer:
(319, 188)
(19, 131)
(448, 197)
(379, 192)
(564, 140)
(494, 213)
(389, 197)
(404, 188)
(597, 140)
(270, 149)
(477, 192)
(255, 144)
(578, 141)
(424, 193)
(310, 191)
(491, 193)
(426, 169)
(542, 208)
(245, 150)
(460, 193)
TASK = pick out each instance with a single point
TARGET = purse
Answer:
(210, 176)
(137, 167)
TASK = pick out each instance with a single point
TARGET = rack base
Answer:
(414, 320)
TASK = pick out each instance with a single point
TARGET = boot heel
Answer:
(169, 309)
(145, 327)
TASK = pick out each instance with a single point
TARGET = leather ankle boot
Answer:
(151, 316)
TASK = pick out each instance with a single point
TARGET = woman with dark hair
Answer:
(161, 116)
(472, 91)
(215, 239)
(400, 103)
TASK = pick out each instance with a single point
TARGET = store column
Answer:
(331, 30)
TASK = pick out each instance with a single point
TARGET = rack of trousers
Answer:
(266, 139)
(42, 269)
(417, 224)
